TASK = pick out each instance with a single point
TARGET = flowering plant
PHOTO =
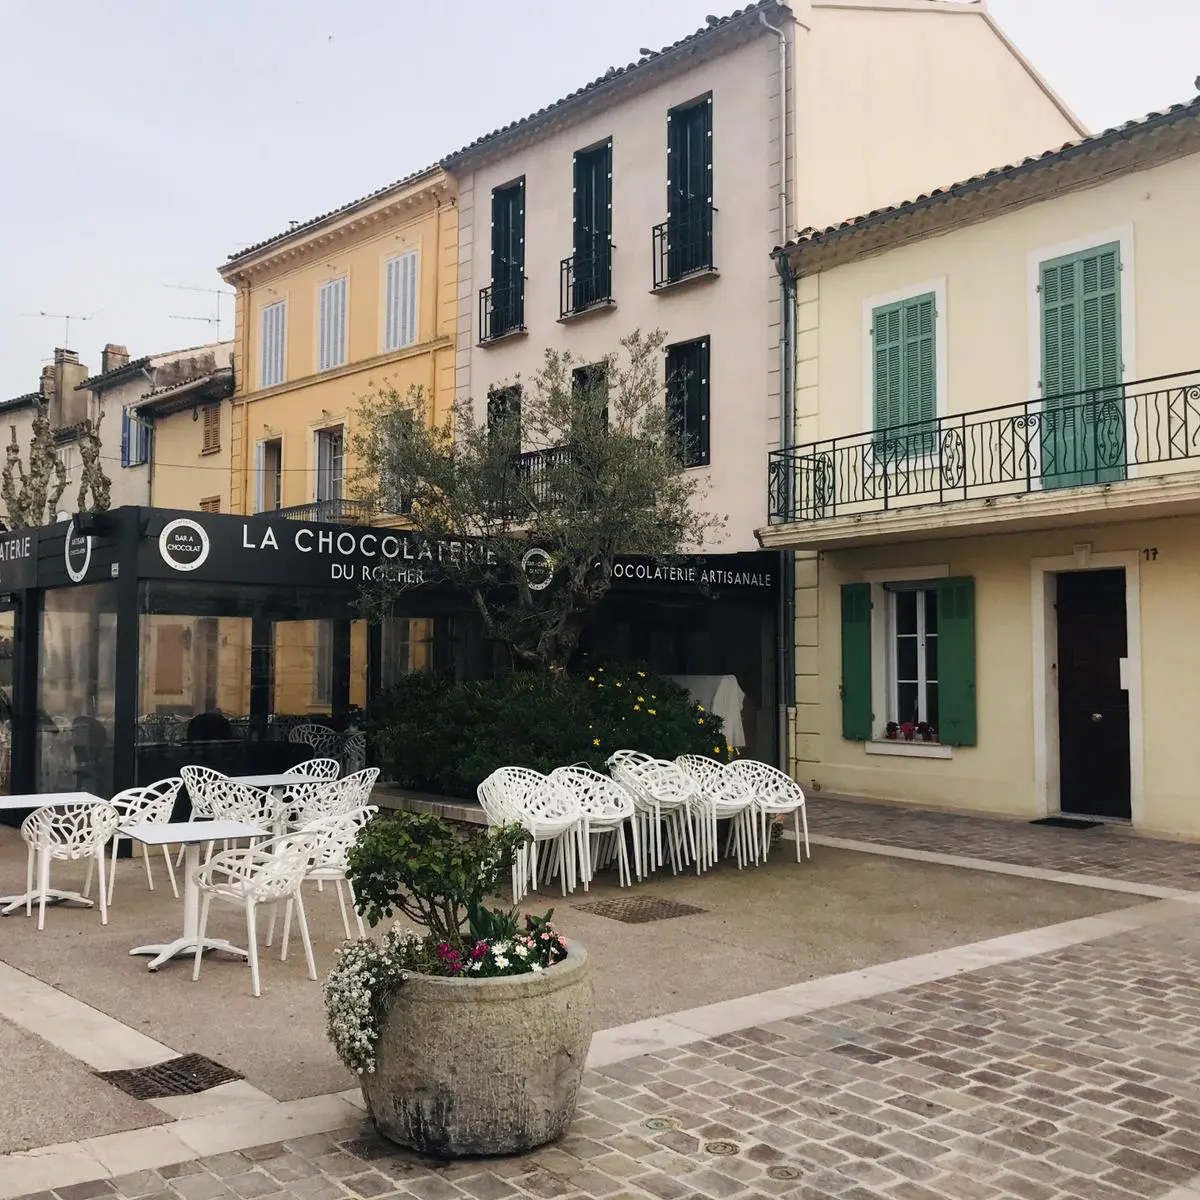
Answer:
(423, 868)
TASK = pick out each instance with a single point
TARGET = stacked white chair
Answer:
(329, 855)
(269, 873)
(359, 785)
(605, 809)
(775, 795)
(321, 738)
(722, 796)
(149, 805)
(316, 768)
(354, 753)
(65, 833)
(664, 795)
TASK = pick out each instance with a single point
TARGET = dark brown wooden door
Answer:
(1093, 708)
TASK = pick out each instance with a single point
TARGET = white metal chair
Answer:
(233, 801)
(265, 874)
(329, 855)
(664, 795)
(321, 738)
(316, 768)
(354, 753)
(775, 794)
(67, 833)
(198, 780)
(149, 805)
(605, 809)
(359, 785)
(721, 797)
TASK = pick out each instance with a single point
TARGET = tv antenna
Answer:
(66, 319)
(216, 318)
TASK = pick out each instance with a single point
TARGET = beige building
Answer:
(651, 199)
(995, 489)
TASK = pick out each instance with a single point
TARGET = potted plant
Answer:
(890, 730)
(926, 732)
(908, 730)
(470, 1032)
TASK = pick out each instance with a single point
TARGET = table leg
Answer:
(191, 920)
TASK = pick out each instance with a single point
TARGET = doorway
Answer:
(1093, 701)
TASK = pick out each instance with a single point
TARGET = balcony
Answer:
(501, 309)
(1104, 454)
(332, 512)
(585, 281)
(683, 247)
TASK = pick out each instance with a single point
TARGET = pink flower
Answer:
(481, 948)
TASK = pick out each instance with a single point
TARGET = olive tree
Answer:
(549, 483)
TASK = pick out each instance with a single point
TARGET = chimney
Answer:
(46, 384)
(112, 357)
(72, 406)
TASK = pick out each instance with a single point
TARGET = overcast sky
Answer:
(143, 141)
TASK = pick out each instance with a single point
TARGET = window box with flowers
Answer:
(468, 1033)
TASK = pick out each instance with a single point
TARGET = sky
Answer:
(143, 141)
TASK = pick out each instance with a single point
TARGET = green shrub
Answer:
(434, 735)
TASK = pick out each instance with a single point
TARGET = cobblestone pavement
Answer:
(1110, 851)
(1070, 1076)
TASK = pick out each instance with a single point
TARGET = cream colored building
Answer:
(652, 197)
(995, 489)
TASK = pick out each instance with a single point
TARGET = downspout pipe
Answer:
(785, 682)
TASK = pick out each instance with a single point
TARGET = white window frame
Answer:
(882, 669)
(261, 475)
(266, 373)
(333, 339)
(320, 439)
(398, 333)
(892, 636)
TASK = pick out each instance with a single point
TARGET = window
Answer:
(268, 475)
(591, 263)
(211, 504)
(211, 417)
(274, 344)
(135, 439)
(687, 400)
(406, 646)
(1082, 369)
(502, 305)
(591, 382)
(924, 633)
(322, 692)
(400, 302)
(169, 648)
(331, 324)
(504, 413)
(904, 384)
(685, 243)
(331, 462)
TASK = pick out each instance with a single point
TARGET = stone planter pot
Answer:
(482, 1066)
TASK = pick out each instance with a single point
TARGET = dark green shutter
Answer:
(885, 330)
(956, 661)
(856, 662)
(903, 338)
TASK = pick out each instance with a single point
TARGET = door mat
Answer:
(1067, 822)
(183, 1076)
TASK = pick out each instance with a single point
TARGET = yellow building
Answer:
(361, 298)
(994, 489)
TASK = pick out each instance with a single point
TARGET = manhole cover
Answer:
(722, 1148)
(783, 1173)
(639, 910)
(661, 1123)
(183, 1076)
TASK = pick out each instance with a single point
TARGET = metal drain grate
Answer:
(183, 1076)
(639, 910)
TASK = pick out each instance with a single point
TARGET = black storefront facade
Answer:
(145, 639)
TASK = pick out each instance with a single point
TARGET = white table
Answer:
(191, 835)
(267, 782)
(48, 800)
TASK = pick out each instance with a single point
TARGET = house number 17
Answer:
(1150, 553)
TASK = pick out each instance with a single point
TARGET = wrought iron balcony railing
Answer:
(535, 470)
(1101, 435)
(585, 279)
(333, 512)
(501, 308)
(683, 245)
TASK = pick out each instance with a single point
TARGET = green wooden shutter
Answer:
(956, 661)
(1100, 364)
(856, 662)
(886, 324)
(905, 365)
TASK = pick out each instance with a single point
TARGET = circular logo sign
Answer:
(538, 567)
(183, 545)
(78, 554)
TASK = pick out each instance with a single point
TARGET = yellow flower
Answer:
(699, 707)
(716, 749)
(652, 711)
(699, 720)
(591, 679)
(641, 674)
(617, 684)
(595, 741)
(728, 749)
(641, 699)
(600, 670)
(636, 707)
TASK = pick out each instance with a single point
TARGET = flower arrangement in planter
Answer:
(891, 729)
(399, 1012)
(926, 732)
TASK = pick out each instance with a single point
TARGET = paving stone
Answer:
(86, 1191)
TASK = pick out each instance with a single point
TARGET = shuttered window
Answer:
(688, 399)
(135, 440)
(928, 631)
(1082, 368)
(211, 504)
(331, 325)
(400, 302)
(211, 414)
(274, 344)
(903, 340)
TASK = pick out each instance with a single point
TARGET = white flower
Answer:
(521, 951)
(500, 961)
(535, 967)
(500, 948)
(476, 965)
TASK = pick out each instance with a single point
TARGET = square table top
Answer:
(178, 833)
(49, 800)
(279, 779)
